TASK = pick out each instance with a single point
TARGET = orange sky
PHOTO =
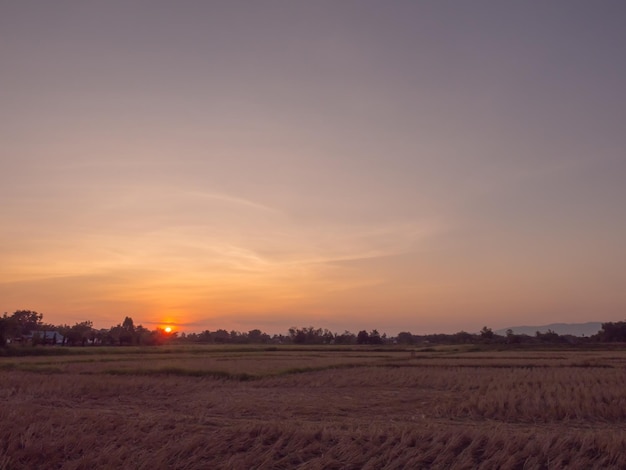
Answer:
(413, 167)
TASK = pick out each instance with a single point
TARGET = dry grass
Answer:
(314, 409)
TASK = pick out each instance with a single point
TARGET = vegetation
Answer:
(27, 327)
(308, 399)
(216, 406)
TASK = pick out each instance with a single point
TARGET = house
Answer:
(44, 337)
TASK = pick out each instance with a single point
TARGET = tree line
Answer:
(28, 327)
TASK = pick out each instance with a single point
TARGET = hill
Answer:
(576, 329)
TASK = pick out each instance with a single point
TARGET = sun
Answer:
(168, 329)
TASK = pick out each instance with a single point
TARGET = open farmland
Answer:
(210, 407)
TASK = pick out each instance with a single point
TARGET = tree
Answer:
(221, 336)
(128, 324)
(309, 335)
(64, 330)
(22, 322)
(299, 337)
(328, 337)
(463, 337)
(127, 332)
(548, 337)
(613, 332)
(142, 335)
(346, 337)
(80, 333)
(404, 337)
(257, 336)
(486, 334)
(160, 336)
(117, 335)
(238, 337)
(375, 338)
(5, 327)
(511, 337)
(362, 337)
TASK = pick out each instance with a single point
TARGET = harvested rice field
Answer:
(313, 408)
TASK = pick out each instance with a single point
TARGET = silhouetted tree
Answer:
(5, 327)
(23, 322)
(299, 337)
(328, 337)
(310, 335)
(375, 338)
(486, 334)
(362, 337)
(404, 337)
(142, 335)
(279, 339)
(257, 336)
(463, 337)
(118, 335)
(160, 336)
(345, 338)
(512, 338)
(612, 332)
(80, 333)
(548, 337)
(64, 330)
(221, 336)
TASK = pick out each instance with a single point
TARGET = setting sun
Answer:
(168, 329)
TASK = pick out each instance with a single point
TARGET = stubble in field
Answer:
(314, 409)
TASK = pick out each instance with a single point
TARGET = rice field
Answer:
(316, 408)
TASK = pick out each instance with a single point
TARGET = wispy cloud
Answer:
(239, 201)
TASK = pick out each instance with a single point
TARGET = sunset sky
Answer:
(423, 166)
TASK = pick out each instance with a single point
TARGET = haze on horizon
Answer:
(405, 166)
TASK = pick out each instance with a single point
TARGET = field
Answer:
(313, 408)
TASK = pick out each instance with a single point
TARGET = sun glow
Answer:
(168, 329)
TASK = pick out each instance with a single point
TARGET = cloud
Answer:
(239, 201)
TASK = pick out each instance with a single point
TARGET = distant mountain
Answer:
(576, 329)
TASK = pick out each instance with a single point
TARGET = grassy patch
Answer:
(304, 370)
(182, 372)
(41, 369)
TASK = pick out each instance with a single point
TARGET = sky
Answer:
(414, 166)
